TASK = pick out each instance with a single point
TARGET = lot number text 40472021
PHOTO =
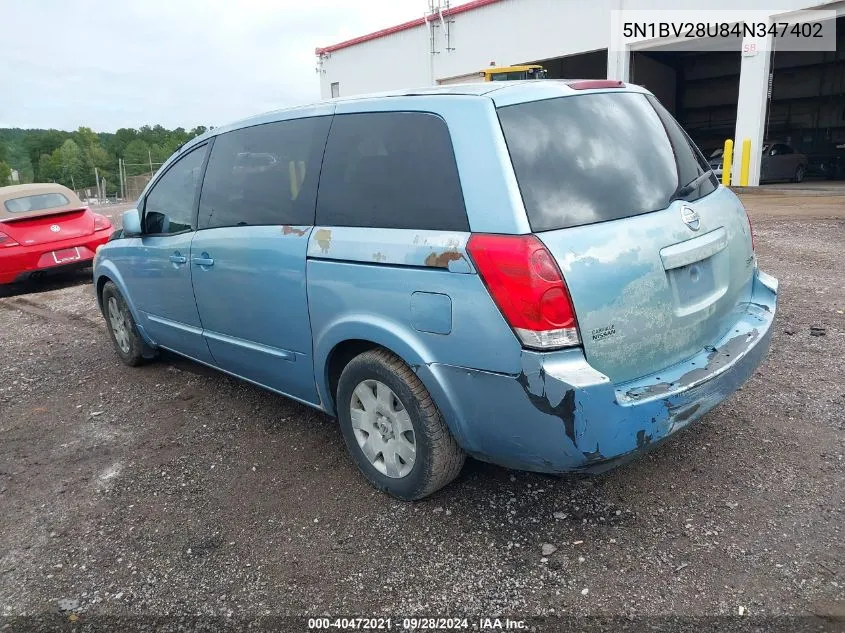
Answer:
(416, 624)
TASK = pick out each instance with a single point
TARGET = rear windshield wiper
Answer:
(687, 189)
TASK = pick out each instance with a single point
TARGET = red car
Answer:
(46, 228)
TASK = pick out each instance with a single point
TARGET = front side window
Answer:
(391, 170)
(38, 202)
(169, 206)
(264, 175)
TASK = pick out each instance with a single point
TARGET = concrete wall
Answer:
(507, 32)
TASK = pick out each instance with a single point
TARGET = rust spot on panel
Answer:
(324, 239)
(379, 257)
(287, 229)
(442, 260)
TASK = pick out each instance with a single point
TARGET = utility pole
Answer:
(120, 176)
(150, 156)
(97, 180)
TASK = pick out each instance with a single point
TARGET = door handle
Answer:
(176, 258)
(204, 260)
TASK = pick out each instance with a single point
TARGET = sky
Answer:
(107, 64)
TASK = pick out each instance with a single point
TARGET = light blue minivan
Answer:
(544, 275)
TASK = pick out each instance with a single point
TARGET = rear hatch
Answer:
(44, 229)
(657, 257)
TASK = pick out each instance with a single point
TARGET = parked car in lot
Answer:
(543, 275)
(716, 160)
(46, 228)
(781, 162)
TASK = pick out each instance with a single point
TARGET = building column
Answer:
(619, 64)
(751, 105)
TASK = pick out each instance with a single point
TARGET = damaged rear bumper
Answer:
(561, 415)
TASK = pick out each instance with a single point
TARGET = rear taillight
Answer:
(5, 240)
(101, 222)
(527, 286)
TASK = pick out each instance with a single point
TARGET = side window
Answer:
(391, 170)
(266, 174)
(169, 206)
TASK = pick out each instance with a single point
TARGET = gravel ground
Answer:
(174, 490)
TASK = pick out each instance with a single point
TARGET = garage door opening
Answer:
(591, 65)
(700, 88)
(806, 115)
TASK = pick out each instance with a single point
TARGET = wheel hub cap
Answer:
(119, 327)
(383, 429)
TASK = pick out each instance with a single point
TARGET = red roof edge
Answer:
(463, 8)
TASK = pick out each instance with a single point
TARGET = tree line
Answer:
(70, 158)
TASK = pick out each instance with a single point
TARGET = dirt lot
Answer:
(172, 489)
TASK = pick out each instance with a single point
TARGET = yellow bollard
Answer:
(727, 160)
(746, 162)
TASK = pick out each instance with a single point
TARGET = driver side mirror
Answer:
(131, 221)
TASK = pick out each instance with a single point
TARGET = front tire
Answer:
(799, 174)
(392, 428)
(127, 342)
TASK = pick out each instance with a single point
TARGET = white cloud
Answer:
(106, 64)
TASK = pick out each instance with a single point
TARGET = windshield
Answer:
(598, 157)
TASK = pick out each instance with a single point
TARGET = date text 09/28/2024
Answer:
(416, 624)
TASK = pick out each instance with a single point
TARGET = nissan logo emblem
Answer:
(690, 218)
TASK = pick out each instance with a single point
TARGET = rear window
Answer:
(39, 202)
(391, 170)
(592, 158)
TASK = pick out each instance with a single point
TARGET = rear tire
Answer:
(128, 344)
(799, 173)
(398, 438)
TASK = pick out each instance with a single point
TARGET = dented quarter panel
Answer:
(559, 414)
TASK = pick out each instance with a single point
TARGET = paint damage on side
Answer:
(444, 250)
(287, 229)
(444, 259)
(323, 237)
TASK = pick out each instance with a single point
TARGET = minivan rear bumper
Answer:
(561, 415)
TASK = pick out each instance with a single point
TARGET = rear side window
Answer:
(598, 157)
(266, 174)
(391, 170)
(38, 202)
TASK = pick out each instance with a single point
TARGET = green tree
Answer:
(71, 164)
(137, 157)
(5, 174)
(43, 142)
(48, 170)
